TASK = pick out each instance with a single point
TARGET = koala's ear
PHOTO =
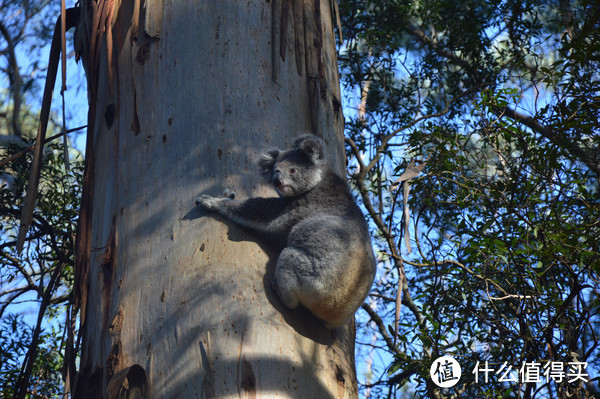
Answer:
(267, 161)
(311, 145)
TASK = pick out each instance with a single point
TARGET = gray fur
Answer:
(327, 264)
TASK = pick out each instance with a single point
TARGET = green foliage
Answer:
(501, 99)
(15, 335)
(25, 278)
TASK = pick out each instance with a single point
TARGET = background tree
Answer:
(35, 285)
(183, 98)
(500, 99)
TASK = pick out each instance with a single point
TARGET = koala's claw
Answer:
(229, 193)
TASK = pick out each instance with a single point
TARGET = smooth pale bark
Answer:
(176, 302)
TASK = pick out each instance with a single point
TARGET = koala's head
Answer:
(296, 170)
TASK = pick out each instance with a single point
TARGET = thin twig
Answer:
(30, 148)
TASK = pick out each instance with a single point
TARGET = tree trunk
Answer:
(184, 96)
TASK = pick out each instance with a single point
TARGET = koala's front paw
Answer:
(207, 202)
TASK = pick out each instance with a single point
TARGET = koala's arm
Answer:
(266, 215)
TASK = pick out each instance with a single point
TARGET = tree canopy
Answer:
(496, 250)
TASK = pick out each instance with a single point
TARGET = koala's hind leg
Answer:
(287, 284)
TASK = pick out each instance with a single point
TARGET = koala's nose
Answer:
(277, 180)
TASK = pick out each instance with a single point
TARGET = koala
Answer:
(327, 263)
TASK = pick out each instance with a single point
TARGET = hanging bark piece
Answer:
(154, 18)
(299, 44)
(72, 17)
(283, 35)
(319, 51)
(412, 171)
(275, 38)
(308, 31)
(335, 13)
(107, 24)
(312, 63)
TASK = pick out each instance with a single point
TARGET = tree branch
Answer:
(16, 80)
(28, 362)
(32, 147)
(528, 121)
(382, 329)
(552, 136)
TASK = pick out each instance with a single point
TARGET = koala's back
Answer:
(332, 232)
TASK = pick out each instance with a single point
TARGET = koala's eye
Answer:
(292, 170)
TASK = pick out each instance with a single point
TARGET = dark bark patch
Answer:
(143, 54)
(135, 124)
(107, 268)
(109, 115)
(248, 379)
